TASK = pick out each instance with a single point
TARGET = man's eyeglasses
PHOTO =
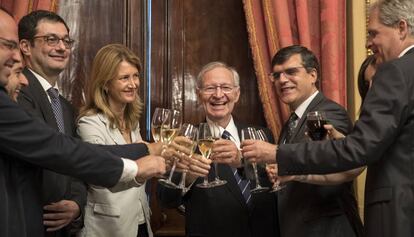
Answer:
(9, 44)
(226, 89)
(53, 40)
(288, 72)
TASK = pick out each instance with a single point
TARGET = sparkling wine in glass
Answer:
(169, 130)
(315, 121)
(250, 133)
(190, 132)
(215, 130)
(205, 142)
(158, 119)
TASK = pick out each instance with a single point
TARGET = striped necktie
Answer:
(57, 108)
(291, 125)
(244, 184)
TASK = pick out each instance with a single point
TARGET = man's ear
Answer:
(25, 47)
(314, 75)
(403, 29)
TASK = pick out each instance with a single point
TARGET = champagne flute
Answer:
(250, 133)
(169, 129)
(276, 185)
(315, 121)
(216, 136)
(191, 132)
(205, 142)
(158, 119)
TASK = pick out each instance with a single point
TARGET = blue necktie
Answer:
(244, 184)
(57, 108)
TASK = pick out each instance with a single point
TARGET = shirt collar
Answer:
(231, 128)
(45, 84)
(302, 107)
(405, 50)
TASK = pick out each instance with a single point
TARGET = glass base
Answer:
(218, 182)
(277, 188)
(213, 184)
(259, 189)
(205, 185)
(167, 183)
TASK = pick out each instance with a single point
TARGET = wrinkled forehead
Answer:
(46, 26)
(8, 27)
(294, 60)
(218, 75)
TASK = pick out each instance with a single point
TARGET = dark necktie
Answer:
(57, 108)
(291, 125)
(244, 184)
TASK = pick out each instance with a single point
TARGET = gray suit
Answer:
(314, 210)
(382, 139)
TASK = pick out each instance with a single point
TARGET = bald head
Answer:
(8, 46)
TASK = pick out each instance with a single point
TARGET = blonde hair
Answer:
(104, 69)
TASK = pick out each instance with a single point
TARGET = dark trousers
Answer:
(142, 230)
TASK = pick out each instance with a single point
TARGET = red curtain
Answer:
(19, 8)
(319, 25)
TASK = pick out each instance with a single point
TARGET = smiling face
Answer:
(48, 61)
(295, 88)
(384, 41)
(8, 55)
(16, 80)
(123, 88)
(218, 104)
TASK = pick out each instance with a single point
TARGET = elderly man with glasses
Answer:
(230, 209)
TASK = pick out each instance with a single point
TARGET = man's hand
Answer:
(60, 214)
(258, 151)
(150, 166)
(179, 149)
(226, 152)
(154, 148)
(199, 167)
(332, 133)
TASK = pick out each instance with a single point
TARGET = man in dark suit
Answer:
(383, 136)
(224, 210)
(46, 47)
(24, 140)
(319, 205)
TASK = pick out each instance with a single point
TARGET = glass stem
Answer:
(182, 182)
(172, 169)
(216, 169)
(256, 176)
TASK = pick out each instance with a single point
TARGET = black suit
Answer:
(222, 211)
(314, 210)
(24, 140)
(382, 139)
(56, 187)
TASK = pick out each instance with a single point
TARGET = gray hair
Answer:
(392, 11)
(213, 65)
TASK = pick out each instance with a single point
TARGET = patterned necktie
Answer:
(57, 108)
(291, 125)
(244, 184)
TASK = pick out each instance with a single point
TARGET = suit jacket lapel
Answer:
(39, 96)
(114, 133)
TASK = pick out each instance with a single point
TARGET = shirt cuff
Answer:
(130, 171)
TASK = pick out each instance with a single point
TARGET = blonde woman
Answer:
(110, 116)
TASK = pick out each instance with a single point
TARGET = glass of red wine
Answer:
(315, 121)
